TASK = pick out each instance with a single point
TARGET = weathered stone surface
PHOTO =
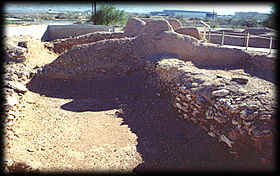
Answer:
(165, 42)
(176, 24)
(231, 114)
(173, 22)
(102, 58)
(54, 32)
(262, 66)
(22, 44)
(133, 27)
(18, 87)
(156, 26)
(61, 45)
(240, 80)
(192, 31)
(220, 93)
(16, 54)
(157, 38)
(14, 78)
(234, 122)
(147, 46)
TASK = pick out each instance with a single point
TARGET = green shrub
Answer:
(109, 15)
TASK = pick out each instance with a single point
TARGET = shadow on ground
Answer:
(164, 141)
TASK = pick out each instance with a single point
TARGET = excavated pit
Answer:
(175, 100)
(164, 140)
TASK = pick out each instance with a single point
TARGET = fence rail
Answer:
(237, 34)
(245, 35)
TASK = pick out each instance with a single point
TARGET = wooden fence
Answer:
(207, 34)
(246, 38)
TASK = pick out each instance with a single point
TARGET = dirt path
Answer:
(109, 125)
(51, 138)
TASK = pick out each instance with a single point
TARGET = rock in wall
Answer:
(238, 110)
(98, 59)
(157, 38)
(134, 27)
(61, 45)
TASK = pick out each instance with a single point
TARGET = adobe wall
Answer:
(237, 110)
(192, 31)
(54, 32)
(62, 45)
(157, 38)
(133, 28)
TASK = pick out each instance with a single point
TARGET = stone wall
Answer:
(133, 28)
(61, 45)
(192, 31)
(54, 32)
(262, 66)
(105, 58)
(236, 110)
(157, 38)
(176, 24)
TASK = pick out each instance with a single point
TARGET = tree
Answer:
(93, 7)
(109, 15)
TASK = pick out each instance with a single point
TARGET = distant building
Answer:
(185, 13)
(225, 16)
(244, 15)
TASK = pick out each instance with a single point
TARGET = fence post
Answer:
(223, 37)
(270, 45)
(247, 41)
(204, 32)
(209, 35)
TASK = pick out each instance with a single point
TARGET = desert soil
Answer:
(108, 125)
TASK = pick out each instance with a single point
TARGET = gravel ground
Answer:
(109, 125)
(118, 125)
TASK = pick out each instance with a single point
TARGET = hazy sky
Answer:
(221, 9)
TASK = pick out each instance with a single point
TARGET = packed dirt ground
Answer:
(107, 125)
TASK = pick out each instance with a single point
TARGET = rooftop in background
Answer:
(189, 11)
(185, 13)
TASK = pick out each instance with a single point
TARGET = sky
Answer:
(219, 8)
